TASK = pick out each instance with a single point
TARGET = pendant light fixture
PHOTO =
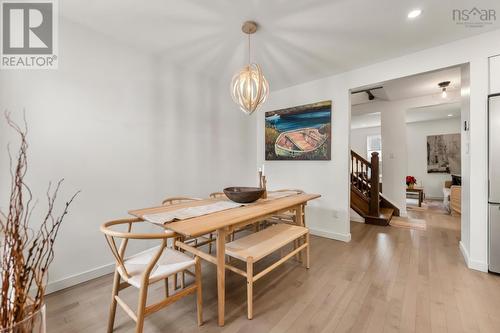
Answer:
(249, 87)
(443, 85)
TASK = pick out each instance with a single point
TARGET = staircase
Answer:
(366, 197)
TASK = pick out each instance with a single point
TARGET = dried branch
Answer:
(26, 254)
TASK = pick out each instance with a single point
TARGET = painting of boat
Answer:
(298, 142)
(299, 133)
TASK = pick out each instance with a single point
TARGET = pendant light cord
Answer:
(249, 49)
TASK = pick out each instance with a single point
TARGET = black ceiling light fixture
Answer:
(368, 91)
(443, 85)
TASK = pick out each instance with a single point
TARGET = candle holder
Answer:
(263, 184)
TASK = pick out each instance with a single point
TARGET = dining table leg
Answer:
(221, 273)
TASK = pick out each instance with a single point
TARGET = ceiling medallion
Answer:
(249, 87)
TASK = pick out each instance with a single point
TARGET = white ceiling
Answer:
(298, 40)
(433, 112)
(412, 86)
(431, 107)
(426, 113)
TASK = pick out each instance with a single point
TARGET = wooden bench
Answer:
(258, 245)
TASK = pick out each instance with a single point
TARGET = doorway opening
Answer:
(413, 132)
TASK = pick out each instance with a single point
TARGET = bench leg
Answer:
(250, 288)
(307, 250)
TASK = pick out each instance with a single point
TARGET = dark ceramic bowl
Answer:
(244, 194)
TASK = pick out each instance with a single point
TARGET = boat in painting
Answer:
(299, 142)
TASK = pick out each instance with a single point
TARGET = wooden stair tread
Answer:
(384, 217)
(386, 213)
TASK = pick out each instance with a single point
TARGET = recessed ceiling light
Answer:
(414, 13)
(450, 115)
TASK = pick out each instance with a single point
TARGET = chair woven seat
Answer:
(170, 262)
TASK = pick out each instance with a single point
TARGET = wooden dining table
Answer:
(223, 223)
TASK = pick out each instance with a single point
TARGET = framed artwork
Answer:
(299, 133)
(443, 154)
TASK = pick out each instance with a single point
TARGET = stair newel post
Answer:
(374, 186)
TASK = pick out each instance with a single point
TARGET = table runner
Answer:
(190, 212)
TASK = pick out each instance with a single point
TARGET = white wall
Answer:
(90, 122)
(359, 139)
(203, 142)
(417, 153)
(125, 129)
(329, 214)
(394, 149)
(331, 178)
(416, 141)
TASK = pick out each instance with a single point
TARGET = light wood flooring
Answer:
(386, 279)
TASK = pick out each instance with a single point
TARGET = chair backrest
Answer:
(118, 251)
(176, 200)
(217, 195)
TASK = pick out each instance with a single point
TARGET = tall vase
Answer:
(34, 323)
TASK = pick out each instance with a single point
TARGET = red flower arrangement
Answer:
(410, 180)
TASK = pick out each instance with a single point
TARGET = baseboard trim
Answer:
(478, 265)
(465, 253)
(472, 264)
(75, 279)
(332, 235)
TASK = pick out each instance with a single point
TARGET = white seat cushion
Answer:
(170, 262)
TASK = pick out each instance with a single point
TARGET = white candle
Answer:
(260, 169)
(263, 168)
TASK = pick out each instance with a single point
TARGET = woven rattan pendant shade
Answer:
(249, 87)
